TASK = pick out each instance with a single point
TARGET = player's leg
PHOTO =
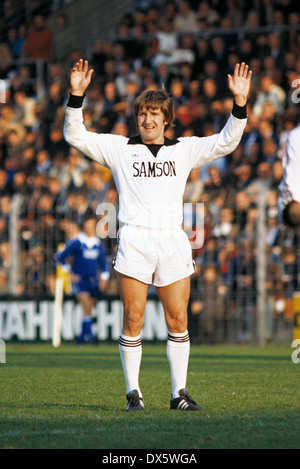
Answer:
(134, 297)
(87, 303)
(175, 298)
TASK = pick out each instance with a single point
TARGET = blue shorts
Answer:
(87, 285)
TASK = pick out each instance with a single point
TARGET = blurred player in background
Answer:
(89, 273)
(289, 188)
(150, 172)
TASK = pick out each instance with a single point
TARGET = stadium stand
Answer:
(189, 47)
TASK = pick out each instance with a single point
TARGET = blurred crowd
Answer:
(188, 47)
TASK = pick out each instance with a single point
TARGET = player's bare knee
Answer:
(177, 323)
(133, 320)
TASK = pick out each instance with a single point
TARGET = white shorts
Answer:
(158, 257)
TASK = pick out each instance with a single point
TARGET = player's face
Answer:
(89, 227)
(151, 125)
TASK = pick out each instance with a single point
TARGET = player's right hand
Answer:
(80, 77)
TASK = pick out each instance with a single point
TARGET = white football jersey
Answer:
(151, 187)
(289, 187)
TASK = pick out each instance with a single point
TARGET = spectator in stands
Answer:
(121, 128)
(39, 40)
(272, 93)
(242, 206)
(28, 160)
(56, 142)
(5, 54)
(98, 57)
(15, 145)
(226, 227)
(243, 174)
(163, 76)
(57, 195)
(234, 14)
(16, 38)
(167, 39)
(208, 14)
(277, 173)
(124, 75)
(111, 100)
(69, 209)
(19, 184)
(44, 164)
(269, 65)
(5, 208)
(250, 230)
(289, 270)
(35, 275)
(186, 18)
(262, 180)
(210, 91)
(72, 172)
(53, 102)
(242, 284)
(209, 305)
(194, 187)
(5, 186)
(4, 276)
(213, 180)
(169, 11)
(24, 108)
(219, 52)
(276, 48)
(96, 192)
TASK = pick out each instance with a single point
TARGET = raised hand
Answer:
(239, 83)
(80, 77)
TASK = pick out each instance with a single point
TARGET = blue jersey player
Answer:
(85, 257)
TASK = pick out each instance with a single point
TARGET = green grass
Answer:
(74, 398)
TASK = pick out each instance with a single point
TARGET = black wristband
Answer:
(239, 111)
(75, 101)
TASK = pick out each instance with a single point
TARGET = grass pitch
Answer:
(74, 398)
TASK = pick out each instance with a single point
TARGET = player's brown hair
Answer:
(155, 99)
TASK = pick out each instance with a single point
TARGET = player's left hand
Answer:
(102, 284)
(80, 77)
(239, 83)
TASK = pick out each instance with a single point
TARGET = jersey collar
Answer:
(138, 141)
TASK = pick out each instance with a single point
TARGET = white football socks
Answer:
(131, 355)
(178, 352)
